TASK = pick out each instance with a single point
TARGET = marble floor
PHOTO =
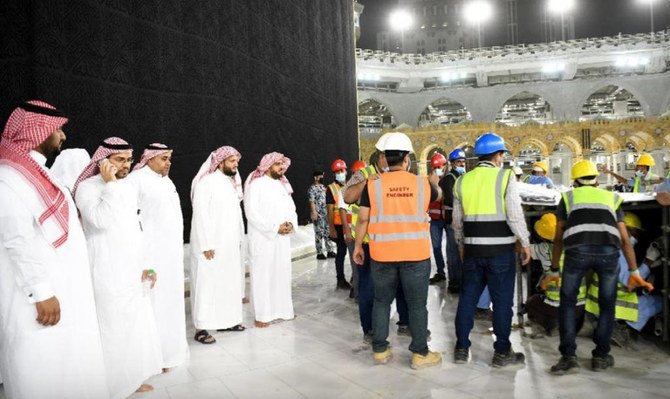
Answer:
(321, 354)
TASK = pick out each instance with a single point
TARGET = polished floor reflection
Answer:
(321, 354)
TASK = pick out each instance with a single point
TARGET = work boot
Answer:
(510, 358)
(602, 363)
(343, 285)
(620, 335)
(430, 359)
(461, 355)
(404, 331)
(438, 278)
(320, 256)
(565, 365)
(383, 357)
(484, 314)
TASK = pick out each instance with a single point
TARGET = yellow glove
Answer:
(636, 281)
(551, 275)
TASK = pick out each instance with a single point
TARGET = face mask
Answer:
(460, 169)
(439, 172)
(341, 177)
(633, 240)
(639, 173)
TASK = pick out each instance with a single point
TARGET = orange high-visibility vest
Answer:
(436, 210)
(398, 227)
(335, 190)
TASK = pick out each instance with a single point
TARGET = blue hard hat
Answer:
(488, 143)
(456, 154)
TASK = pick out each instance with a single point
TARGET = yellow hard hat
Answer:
(632, 220)
(645, 160)
(583, 168)
(545, 227)
(541, 165)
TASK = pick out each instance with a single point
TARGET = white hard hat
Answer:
(517, 170)
(399, 142)
(381, 141)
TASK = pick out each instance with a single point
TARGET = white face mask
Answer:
(439, 172)
(633, 240)
(341, 177)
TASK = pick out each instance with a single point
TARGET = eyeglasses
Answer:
(122, 160)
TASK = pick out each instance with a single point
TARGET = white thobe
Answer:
(216, 290)
(267, 205)
(116, 248)
(61, 361)
(163, 226)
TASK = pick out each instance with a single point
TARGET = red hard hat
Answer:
(358, 165)
(438, 160)
(338, 164)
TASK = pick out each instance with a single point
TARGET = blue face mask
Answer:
(439, 172)
(460, 169)
(639, 173)
(341, 177)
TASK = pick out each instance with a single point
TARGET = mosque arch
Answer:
(608, 143)
(373, 116)
(427, 153)
(524, 107)
(444, 111)
(529, 143)
(643, 141)
(570, 142)
(611, 102)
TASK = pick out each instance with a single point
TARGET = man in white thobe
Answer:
(217, 231)
(163, 227)
(49, 335)
(271, 218)
(108, 206)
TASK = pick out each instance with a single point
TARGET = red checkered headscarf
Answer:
(151, 151)
(109, 146)
(212, 163)
(266, 162)
(28, 126)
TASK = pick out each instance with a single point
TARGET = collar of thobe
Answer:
(37, 157)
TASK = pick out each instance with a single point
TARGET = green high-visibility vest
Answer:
(591, 217)
(553, 290)
(626, 302)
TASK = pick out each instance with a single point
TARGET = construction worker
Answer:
(543, 307)
(393, 213)
(643, 180)
(488, 220)
(538, 175)
(454, 262)
(351, 193)
(591, 229)
(436, 213)
(339, 169)
(350, 214)
(630, 309)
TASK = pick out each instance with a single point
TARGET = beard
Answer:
(229, 171)
(276, 175)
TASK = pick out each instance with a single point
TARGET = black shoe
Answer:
(566, 365)
(484, 314)
(351, 293)
(602, 363)
(438, 278)
(320, 256)
(343, 285)
(461, 355)
(454, 289)
(510, 358)
(332, 254)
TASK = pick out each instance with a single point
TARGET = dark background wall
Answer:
(260, 75)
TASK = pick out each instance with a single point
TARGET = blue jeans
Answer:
(401, 307)
(498, 272)
(366, 292)
(413, 276)
(436, 230)
(604, 260)
(454, 263)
